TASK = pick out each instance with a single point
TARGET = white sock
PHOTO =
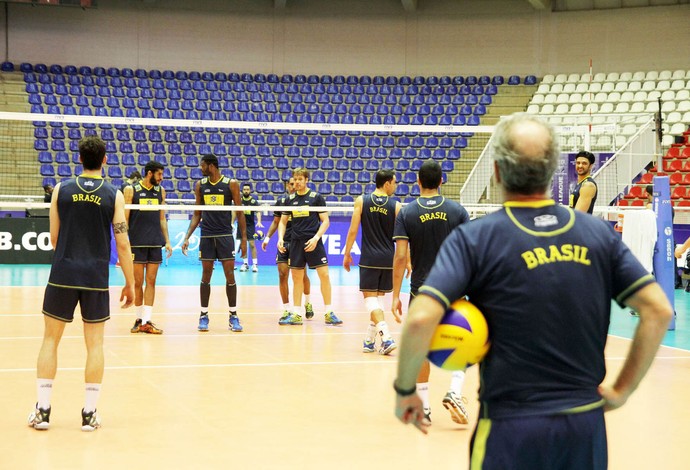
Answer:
(307, 299)
(328, 308)
(244, 261)
(287, 308)
(382, 327)
(298, 310)
(146, 315)
(371, 333)
(233, 310)
(44, 388)
(423, 392)
(92, 393)
(139, 311)
(457, 381)
(255, 261)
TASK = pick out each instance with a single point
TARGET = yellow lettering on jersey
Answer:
(438, 215)
(381, 210)
(565, 253)
(300, 214)
(148, 202)
(86, 198)
(214, 199)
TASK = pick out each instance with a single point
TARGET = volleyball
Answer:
(461, 338)
(259, 235)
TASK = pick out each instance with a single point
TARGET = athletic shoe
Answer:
(634, 313)
(308, 311)
(244, 268)
(369, 347)
(387, 347)
(90, 421)
(293, 319)
(40, 418)
(427, 414)
(137, 326)
(453, 403)
(203, 323)
(255, 268)
(331, 319)
(235, 324)
(150, 328)
(283, 320)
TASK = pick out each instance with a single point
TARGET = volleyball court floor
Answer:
(274, 397)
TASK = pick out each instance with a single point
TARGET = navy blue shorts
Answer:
(217, 248)
(375, 280)
(300, 258)
(60, 302)
(564, 442)
(147, 254)
(283, 257)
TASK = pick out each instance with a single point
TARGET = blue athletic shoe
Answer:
(291, 319)
(387, 347)
(369, 347)
(331, 319)
(203, 323)
(235, 323)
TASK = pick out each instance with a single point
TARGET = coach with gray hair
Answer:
(542, 400)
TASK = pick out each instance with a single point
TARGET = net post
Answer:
(664, 257)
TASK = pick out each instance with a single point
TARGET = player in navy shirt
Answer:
(148, 232)
(584, 193)
(542, 398)
(82, 212)
(283, 257)
(420, 229)
(217, 242)
(306, 247)
(253, 221)
(376, 212)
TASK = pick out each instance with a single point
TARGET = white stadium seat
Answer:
(612, 77)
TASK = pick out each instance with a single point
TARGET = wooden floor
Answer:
(271, 397)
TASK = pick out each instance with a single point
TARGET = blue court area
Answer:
(622, 323)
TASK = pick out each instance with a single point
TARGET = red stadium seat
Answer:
(672, 153)
(682, 203)
(676, 178)
(679, 192)
(623, 202)
(638, 203)
(646, 178)
(685, 153)
(673, 165)
(635, 192)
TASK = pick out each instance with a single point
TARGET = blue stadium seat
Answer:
(262, 187)
(242, 174)
(47, 170)
(181, 174)
(143, 159)
(364, 177)
(372, 165)
(530, 80)
(64, 171)
(355, 189)
(230, 173)
(453, 154)
(282, 163)
(114, 172)
(514, 80)
(272, 175)
(184, 186)
(312, 164)
(258, 174)
(357, 165)
(333, 176)
(318, 176)
(339, 189)
(348, 177)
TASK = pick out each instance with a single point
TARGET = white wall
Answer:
(348, 37)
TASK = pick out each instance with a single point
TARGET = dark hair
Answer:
(383, 176)
(134, 175)
(91, 151)
(210, 159)
(430, 174)
(649, 189)
(247, 184)
(585, 154)
(153, 166)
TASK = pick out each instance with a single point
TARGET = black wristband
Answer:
(403, 393)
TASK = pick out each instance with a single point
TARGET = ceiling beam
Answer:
(540, 4)
(409, 5)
